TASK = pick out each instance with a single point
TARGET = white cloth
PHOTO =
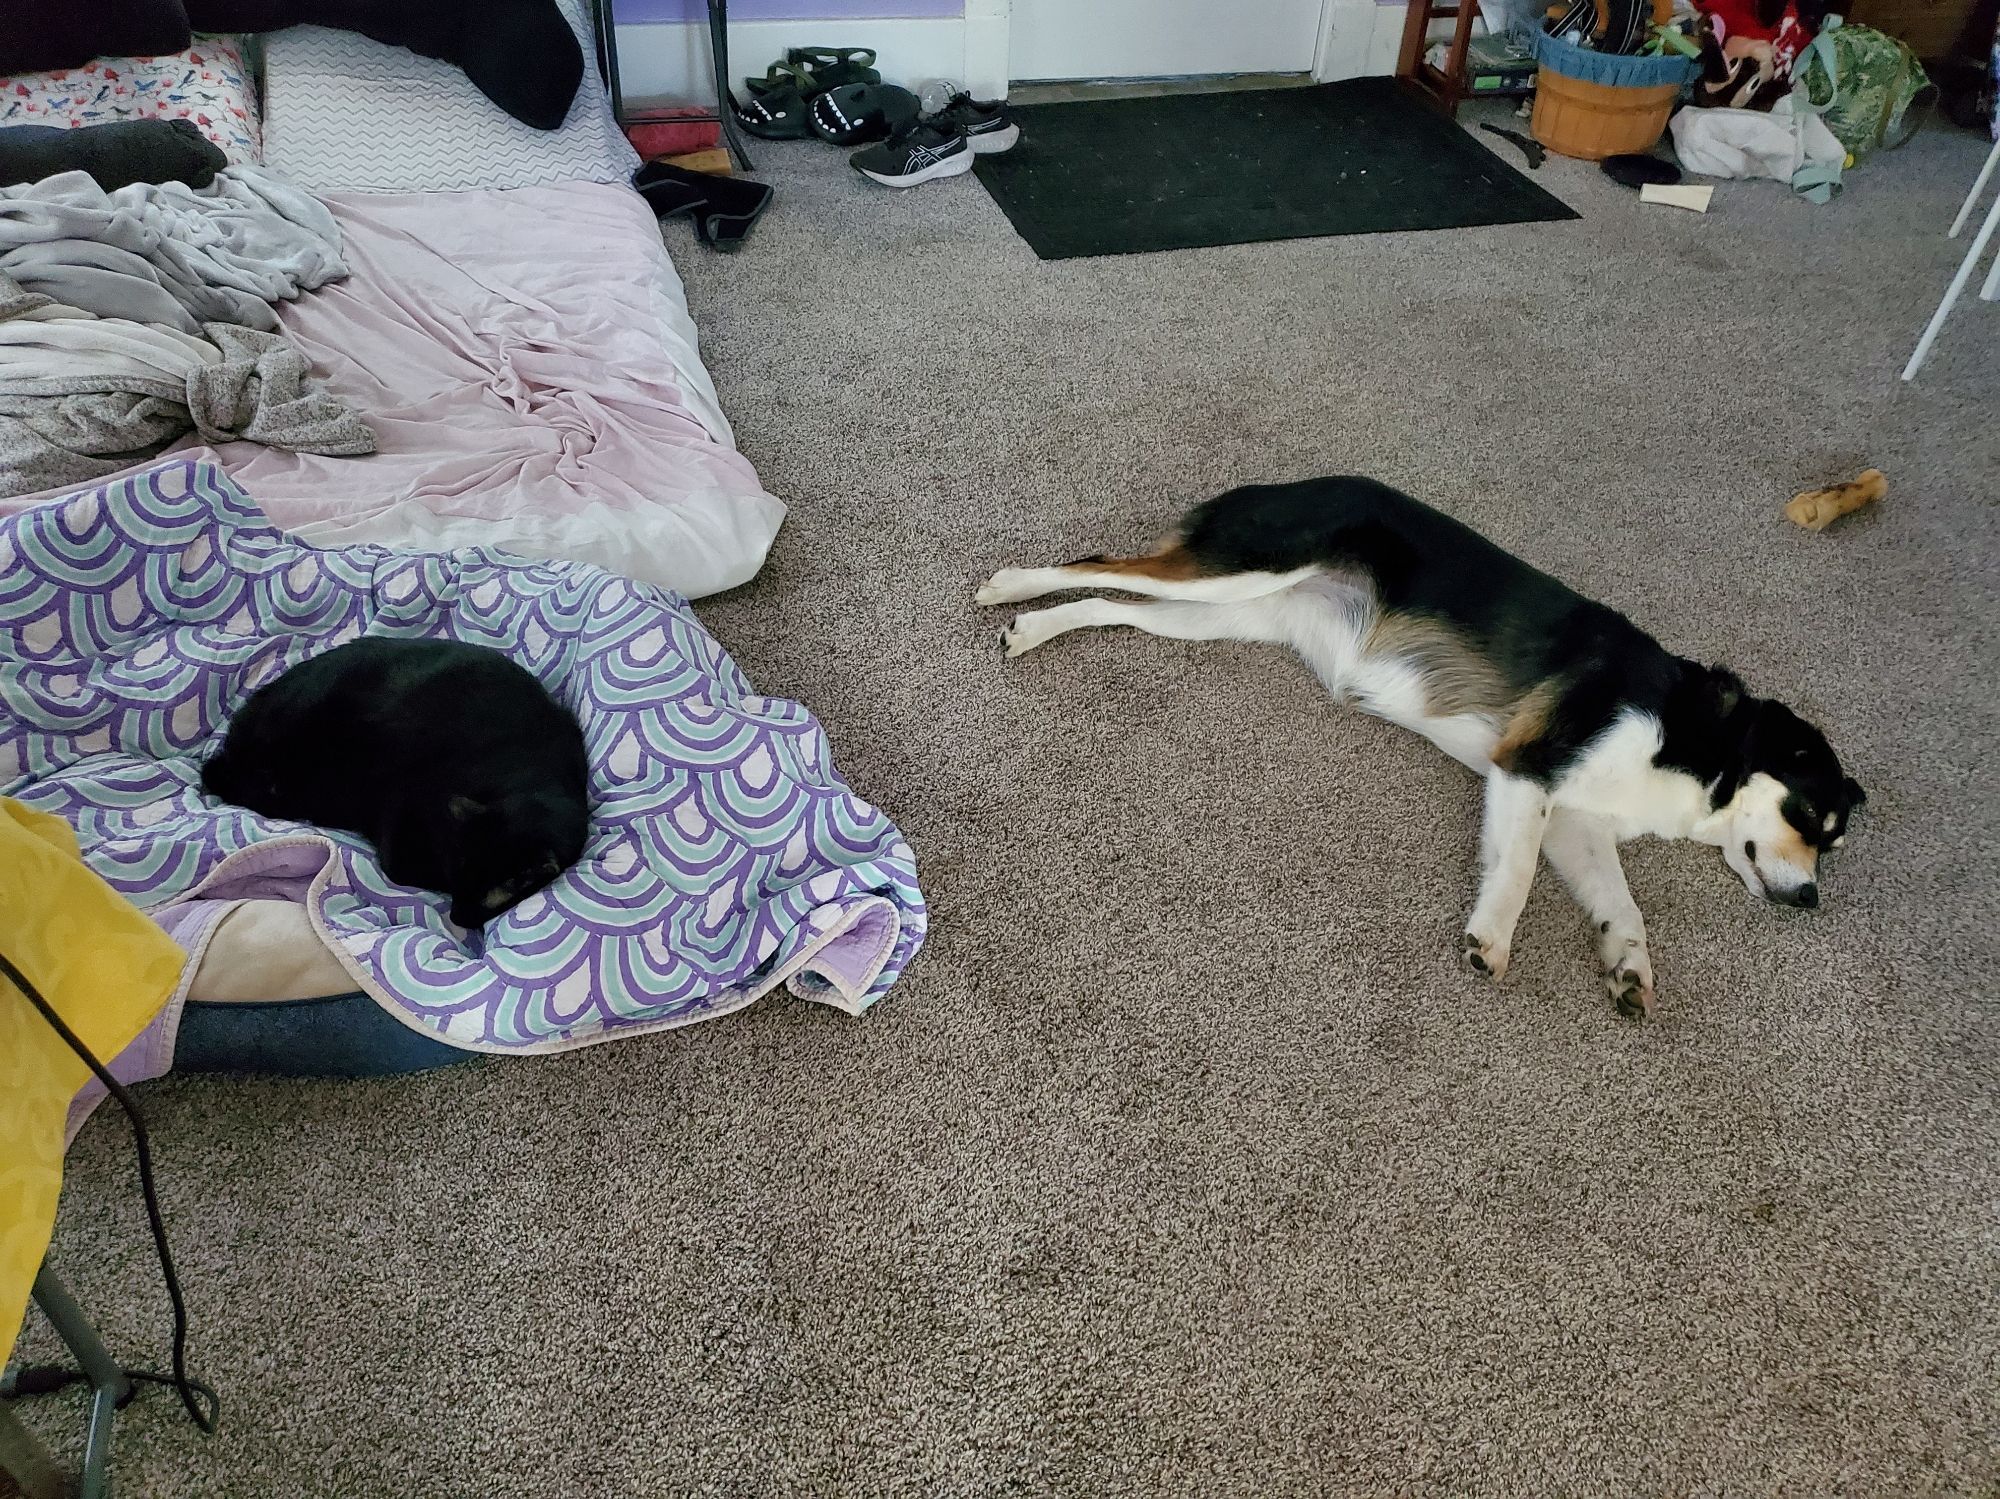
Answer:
(1752, 143)
(54, 350)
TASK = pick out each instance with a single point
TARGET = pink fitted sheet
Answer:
(526, 359)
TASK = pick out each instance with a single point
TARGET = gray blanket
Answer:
(168, 253)
(82, 397)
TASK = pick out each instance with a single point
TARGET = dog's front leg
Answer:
(1584, 852)
(1510, 846)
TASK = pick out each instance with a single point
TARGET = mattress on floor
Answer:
(529, 367)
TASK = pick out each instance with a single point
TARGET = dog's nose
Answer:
(1805, 896)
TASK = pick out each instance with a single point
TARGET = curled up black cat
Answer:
(454, 762)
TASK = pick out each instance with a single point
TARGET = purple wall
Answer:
(639, 12)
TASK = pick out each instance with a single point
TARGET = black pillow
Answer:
(521, 54)
(37, 35)
(117, 154)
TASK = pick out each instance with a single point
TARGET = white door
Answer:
(1160, 38)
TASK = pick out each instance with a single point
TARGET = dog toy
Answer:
(1817, 509)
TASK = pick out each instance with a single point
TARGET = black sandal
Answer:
(832, 67)
(725, 209)
(776, 108)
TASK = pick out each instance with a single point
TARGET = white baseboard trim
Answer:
(1358, 39)
(670, 63)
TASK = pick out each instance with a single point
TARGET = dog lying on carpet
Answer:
(1586, 729)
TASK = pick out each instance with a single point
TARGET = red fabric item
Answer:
(657, 138)
(1738, 20)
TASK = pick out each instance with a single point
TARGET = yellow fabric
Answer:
(107, 971)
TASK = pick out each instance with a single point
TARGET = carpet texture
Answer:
(1177, 171)
(1187, 1160)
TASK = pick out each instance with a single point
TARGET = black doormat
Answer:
(1122, 176)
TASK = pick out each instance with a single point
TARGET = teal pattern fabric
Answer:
(727, 856)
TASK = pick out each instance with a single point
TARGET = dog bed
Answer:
(726, 858)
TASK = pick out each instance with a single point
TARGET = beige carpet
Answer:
(1186, 1160)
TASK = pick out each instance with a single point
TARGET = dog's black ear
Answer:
(462, 809)
(1855, 795)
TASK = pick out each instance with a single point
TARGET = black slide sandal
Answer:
(725, 209)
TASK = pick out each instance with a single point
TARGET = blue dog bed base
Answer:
(726, 855)
(341, 1035)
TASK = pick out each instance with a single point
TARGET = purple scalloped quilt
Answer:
(726, 854)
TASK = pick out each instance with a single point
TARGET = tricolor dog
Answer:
(1586, 730)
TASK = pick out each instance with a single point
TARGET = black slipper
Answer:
(856, 113)
(725, 209)
(776, 108)
(1636, 169)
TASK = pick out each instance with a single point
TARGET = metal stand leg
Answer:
(1964, 275)
(1978, 187)
(110, 1388)
(718, 47)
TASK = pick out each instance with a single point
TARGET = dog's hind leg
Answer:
(1256, 619)
(1517, 812)
(1172, 572)
(1583, 852)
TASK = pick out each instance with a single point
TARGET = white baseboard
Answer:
(671, 62)
(1358, 39)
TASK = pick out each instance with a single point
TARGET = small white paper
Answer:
(1678, 195)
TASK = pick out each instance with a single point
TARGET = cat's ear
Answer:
(462, 809)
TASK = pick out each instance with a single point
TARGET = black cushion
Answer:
(116, 154)
(36, 35)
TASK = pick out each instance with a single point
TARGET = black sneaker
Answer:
(987, 124)
(916, 156)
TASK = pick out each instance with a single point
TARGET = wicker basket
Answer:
(1595, 120)
(1593, 104)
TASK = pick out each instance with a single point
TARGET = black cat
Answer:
(455, 763)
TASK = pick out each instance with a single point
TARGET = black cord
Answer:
(188, 1388)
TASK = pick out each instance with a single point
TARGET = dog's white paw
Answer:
(1628, 969)
(1022, 635)
(1485, 957)
(1008, 586)
(1631, 990)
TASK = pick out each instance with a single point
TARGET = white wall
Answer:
(1358, 38)
(672, 62)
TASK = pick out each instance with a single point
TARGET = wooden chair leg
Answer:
(1454, 62)
(1416, 23)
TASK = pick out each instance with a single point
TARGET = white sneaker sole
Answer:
(951, 166)
(995, 141)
